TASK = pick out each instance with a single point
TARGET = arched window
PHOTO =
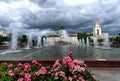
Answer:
(97, 31)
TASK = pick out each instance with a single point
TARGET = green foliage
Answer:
(2, 39)
(83, 35)
(23, 39)
(118, 37)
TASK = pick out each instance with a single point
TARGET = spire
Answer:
(62, 27)
(97, 23)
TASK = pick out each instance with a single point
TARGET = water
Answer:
(39, 42)
(83, 42)
(64, 36)
(59, 51)
(80, 43)
(95, 42)
(87, 42)
(29, 44)
(14, 44)
(14, 40)
(106, 44)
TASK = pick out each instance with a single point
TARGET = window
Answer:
(97, 31)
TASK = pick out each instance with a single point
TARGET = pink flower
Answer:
(57, 64)
(11, 73)
(81, 79)
(26, 66)
(20, 65)
(77, 62)
(40, 64)
(70, 70)
(20, 79)
(70, 78)
(71, 65)
(15, 69)
(70, 53)
(62, 74)
(78, 68)
(66, 60)
(36, 73)
(21, 72)
(10, 65)
(93, 76)
(35, 62)
(74, 76)
(43, 70)
(27, 77)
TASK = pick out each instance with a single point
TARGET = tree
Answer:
(2, 39)
(83, 35)
(118, 37)
(23, 40)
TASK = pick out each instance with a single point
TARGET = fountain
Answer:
(29, 44)
(95, 42)
(83, 42)
(39, 42)
(106, 44)
(14, 40)
(87, 42)
(64, 36)
(14, 44)
(49, 42)
(79, 42)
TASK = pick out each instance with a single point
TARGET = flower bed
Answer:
(68, 69)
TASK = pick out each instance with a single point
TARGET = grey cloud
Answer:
(77, 16)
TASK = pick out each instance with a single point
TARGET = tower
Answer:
(97, 30)
(61, 31)
(1, 30)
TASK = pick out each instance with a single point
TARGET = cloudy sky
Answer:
(76, 15)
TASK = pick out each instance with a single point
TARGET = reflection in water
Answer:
(59, 51)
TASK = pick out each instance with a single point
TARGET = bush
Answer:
(66, 70)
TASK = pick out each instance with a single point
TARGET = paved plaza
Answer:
(107, 74)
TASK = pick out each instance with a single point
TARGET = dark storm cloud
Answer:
(76, 15)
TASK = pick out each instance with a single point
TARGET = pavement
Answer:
(107, 74)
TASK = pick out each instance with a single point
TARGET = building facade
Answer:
(97, 32)
(2, 32)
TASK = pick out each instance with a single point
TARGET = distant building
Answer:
(97, 32)
(60, 36)
(2, 32)
(56, 38)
